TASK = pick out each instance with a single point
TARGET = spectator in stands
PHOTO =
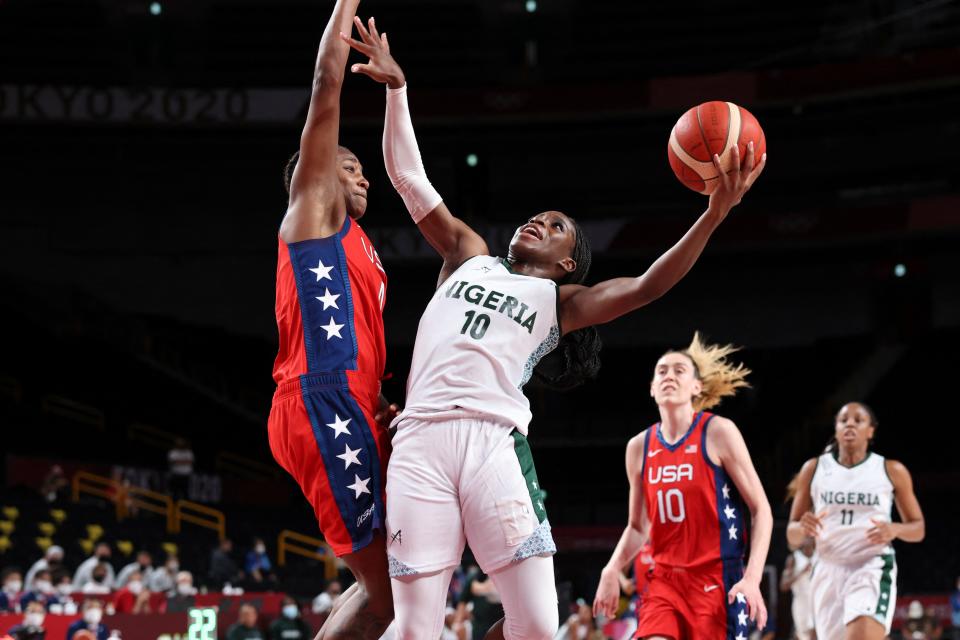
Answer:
(323, 603)
(53, 484)
(454, 629)
(61, 602)
(223, 570)
(259, 570)
(90, 627)
(164, 579)
(181, 468)
(955, 611)
(52, 560)
(290, 626)
(920, 624)
(143, 566)
(32, 626)
(183, 593)
(100, 581)
(84, 574)
(133, 597)
(481, 594)
(41, 592)
(245, 628)
(11, 590)
(580, 625)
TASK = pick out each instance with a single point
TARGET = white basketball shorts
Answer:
(465, 480)
(842, 593)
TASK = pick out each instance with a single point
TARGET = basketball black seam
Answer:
(703, 135)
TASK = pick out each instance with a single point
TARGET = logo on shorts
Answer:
(707, 588)
(366, 514)
(397, 537)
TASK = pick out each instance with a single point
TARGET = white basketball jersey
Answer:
(478, 341)
(851, 496)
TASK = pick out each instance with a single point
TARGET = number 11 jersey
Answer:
(479, 338)
(695, 511)
(851, 497)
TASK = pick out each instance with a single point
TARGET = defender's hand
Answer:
(381, 66)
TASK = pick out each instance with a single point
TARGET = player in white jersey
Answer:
(461, 470)
(844, 501)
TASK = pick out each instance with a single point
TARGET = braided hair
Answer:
(577, 356)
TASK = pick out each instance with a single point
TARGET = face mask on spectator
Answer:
(99, 577)
(64, 588)
(260, 548)
(173, 567)
(184, 589)
(290, 611)
(93, 616)
(33, 619)
(44, 586)
(12, 586)
(135, 587)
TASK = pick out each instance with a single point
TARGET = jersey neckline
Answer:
(836, 457)
(673, 447)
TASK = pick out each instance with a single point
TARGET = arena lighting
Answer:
(155, 8)
(900, 270)
(472, 159)
(531, 6)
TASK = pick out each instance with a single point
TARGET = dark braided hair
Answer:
(577, 357)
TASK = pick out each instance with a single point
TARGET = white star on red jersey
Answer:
(726, 491)
(742, 618)
(359, 486)
(729, 512)
(740, 636)
(322, 271)
(349, 456)
(741, 598)
(329, 299)
(339, 426)
(733, 532)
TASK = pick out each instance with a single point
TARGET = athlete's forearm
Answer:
(627, 549)
(333, 52)
(911, 531)
(762, 529)
(673, 265)
(795, 535)
(401, 157)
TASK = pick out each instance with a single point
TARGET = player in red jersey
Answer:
(331, 289)
(687, 475)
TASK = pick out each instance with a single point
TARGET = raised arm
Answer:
(316, 207)
(585, 306)
(450, 236)
(726, 442)
(634, 535)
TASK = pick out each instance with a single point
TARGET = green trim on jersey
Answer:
(836, 456)
(525, 457)
(886, 582)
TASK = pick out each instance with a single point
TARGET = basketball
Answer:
(707, 129)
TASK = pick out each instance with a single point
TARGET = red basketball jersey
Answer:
(696, 514)
(330, 297)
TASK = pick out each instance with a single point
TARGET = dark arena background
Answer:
(142, 148)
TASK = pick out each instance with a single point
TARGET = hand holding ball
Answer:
(707, 129)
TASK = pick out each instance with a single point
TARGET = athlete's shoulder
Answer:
(635, 445)
(809, 468)
(896, 471)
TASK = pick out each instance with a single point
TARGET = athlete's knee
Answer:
(534, 624)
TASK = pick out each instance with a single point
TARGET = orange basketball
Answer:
(709, 128)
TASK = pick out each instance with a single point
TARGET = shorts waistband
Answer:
(327, 380)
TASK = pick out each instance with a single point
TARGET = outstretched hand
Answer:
(737, 181)
(381, 66)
